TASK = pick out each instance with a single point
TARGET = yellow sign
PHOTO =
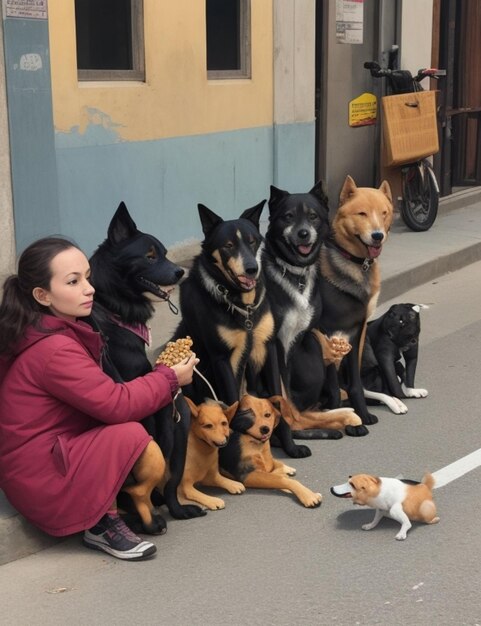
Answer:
(363, 110)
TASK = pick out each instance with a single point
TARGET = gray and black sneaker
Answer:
(111, 534)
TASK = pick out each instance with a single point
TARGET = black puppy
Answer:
(128, 270)
(298, 224)
(390, 357)
(227, 314)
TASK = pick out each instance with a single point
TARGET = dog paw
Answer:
(415, 393)
(235, 487)
(368, 526)
(187, 511)
(370, 419)
(356, 431)
(401, 536)
(299, 452)
(397, 406)
(215, 504)
(312, 501)
(290, 471)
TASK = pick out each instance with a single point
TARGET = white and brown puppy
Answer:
(402, 500)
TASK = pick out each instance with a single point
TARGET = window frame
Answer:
(245, 53)
(137, 73)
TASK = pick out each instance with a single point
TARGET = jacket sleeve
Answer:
(72, 376)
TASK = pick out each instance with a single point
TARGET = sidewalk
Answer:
(408, 260)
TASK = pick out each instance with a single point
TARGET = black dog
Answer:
(390, 357)
(227, 314)
(298, 224)
(126, 267)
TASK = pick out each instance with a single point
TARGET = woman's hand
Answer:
(184, 370)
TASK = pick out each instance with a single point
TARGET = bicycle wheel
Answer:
(420, 196)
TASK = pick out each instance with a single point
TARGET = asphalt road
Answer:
(267, 560)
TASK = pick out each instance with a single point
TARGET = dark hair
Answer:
(19, 308)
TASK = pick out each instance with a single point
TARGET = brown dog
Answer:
(209, 431)
(404, 501)
(248, 458)
(351, 279)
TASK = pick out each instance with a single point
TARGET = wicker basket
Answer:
(410, 127)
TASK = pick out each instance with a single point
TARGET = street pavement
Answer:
(265, 559)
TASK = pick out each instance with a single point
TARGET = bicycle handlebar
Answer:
(383, 72)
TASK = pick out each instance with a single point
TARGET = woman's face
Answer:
(70, 294)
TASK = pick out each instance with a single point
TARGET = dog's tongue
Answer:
(246, 282)
(374, 251)
(305, 250)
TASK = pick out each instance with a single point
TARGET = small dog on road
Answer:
(402, 500)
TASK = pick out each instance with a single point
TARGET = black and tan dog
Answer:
(298, 224)
(247, 456)
(129, 270)
(226, 312)
(351, 278)
(390, 357)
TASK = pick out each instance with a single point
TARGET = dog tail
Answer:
(428, 480)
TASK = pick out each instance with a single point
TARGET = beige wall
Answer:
(416, 37)
(7, 241)
(176, 99)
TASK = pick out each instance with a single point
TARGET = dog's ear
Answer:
(276, 196)
(385, 187)
(349, 188)
(281, 405)
(121, 226)
(318, 192)
(208, 219)
(193, 407)
(254, 214)
(230, 411)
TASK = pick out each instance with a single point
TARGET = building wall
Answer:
(178, 139)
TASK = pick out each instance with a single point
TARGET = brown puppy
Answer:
(391, 497)
(209, 431)
(248, 458)
(351, 281)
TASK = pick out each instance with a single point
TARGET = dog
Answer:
(350, 281)
(227, 314)
(247, 457)
(390, 357)
(298, 224)
(129, 270)
(402, 500)
(209, 431)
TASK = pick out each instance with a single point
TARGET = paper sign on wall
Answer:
(363, 110)
(26, 9)
(349, 21)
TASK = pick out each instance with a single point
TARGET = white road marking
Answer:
(457, 469)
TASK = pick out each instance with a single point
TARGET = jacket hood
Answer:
(51, 325)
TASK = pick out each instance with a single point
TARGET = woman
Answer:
(69, 435)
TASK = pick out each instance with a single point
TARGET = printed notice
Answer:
(363, 110)
(349, 21)
(27, 9)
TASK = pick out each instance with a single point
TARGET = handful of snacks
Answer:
(175, 351)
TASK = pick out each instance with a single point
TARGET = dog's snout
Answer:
(179, 273)
(264, 430)
(251, 270)
(377, 235)
(303, 233)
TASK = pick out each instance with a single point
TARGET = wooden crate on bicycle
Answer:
(410, 128)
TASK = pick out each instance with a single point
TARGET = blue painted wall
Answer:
(33, 159)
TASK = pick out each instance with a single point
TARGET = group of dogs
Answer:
(279, 323)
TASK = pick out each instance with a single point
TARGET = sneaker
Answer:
(111, 534)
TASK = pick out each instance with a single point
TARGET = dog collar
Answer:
(246, 311)
(300, 272)
(365, 262)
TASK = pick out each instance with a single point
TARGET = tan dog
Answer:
(404, 501)
(248, 458)
(351, 278)
(209, 431)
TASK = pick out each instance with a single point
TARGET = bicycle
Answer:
(419, 187)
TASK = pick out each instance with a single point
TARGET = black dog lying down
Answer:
(390, 357)
(129, 270)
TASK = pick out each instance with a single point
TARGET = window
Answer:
(228, 38)
(110, 42)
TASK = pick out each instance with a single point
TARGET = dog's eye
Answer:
(363, 213)
(207, 426)
(288, 216)
(312, 216)
(226, 423)
(228, 245)
(252, 242)
(267, 415)
(151, 254)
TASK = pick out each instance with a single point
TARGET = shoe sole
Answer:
(124, 556)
